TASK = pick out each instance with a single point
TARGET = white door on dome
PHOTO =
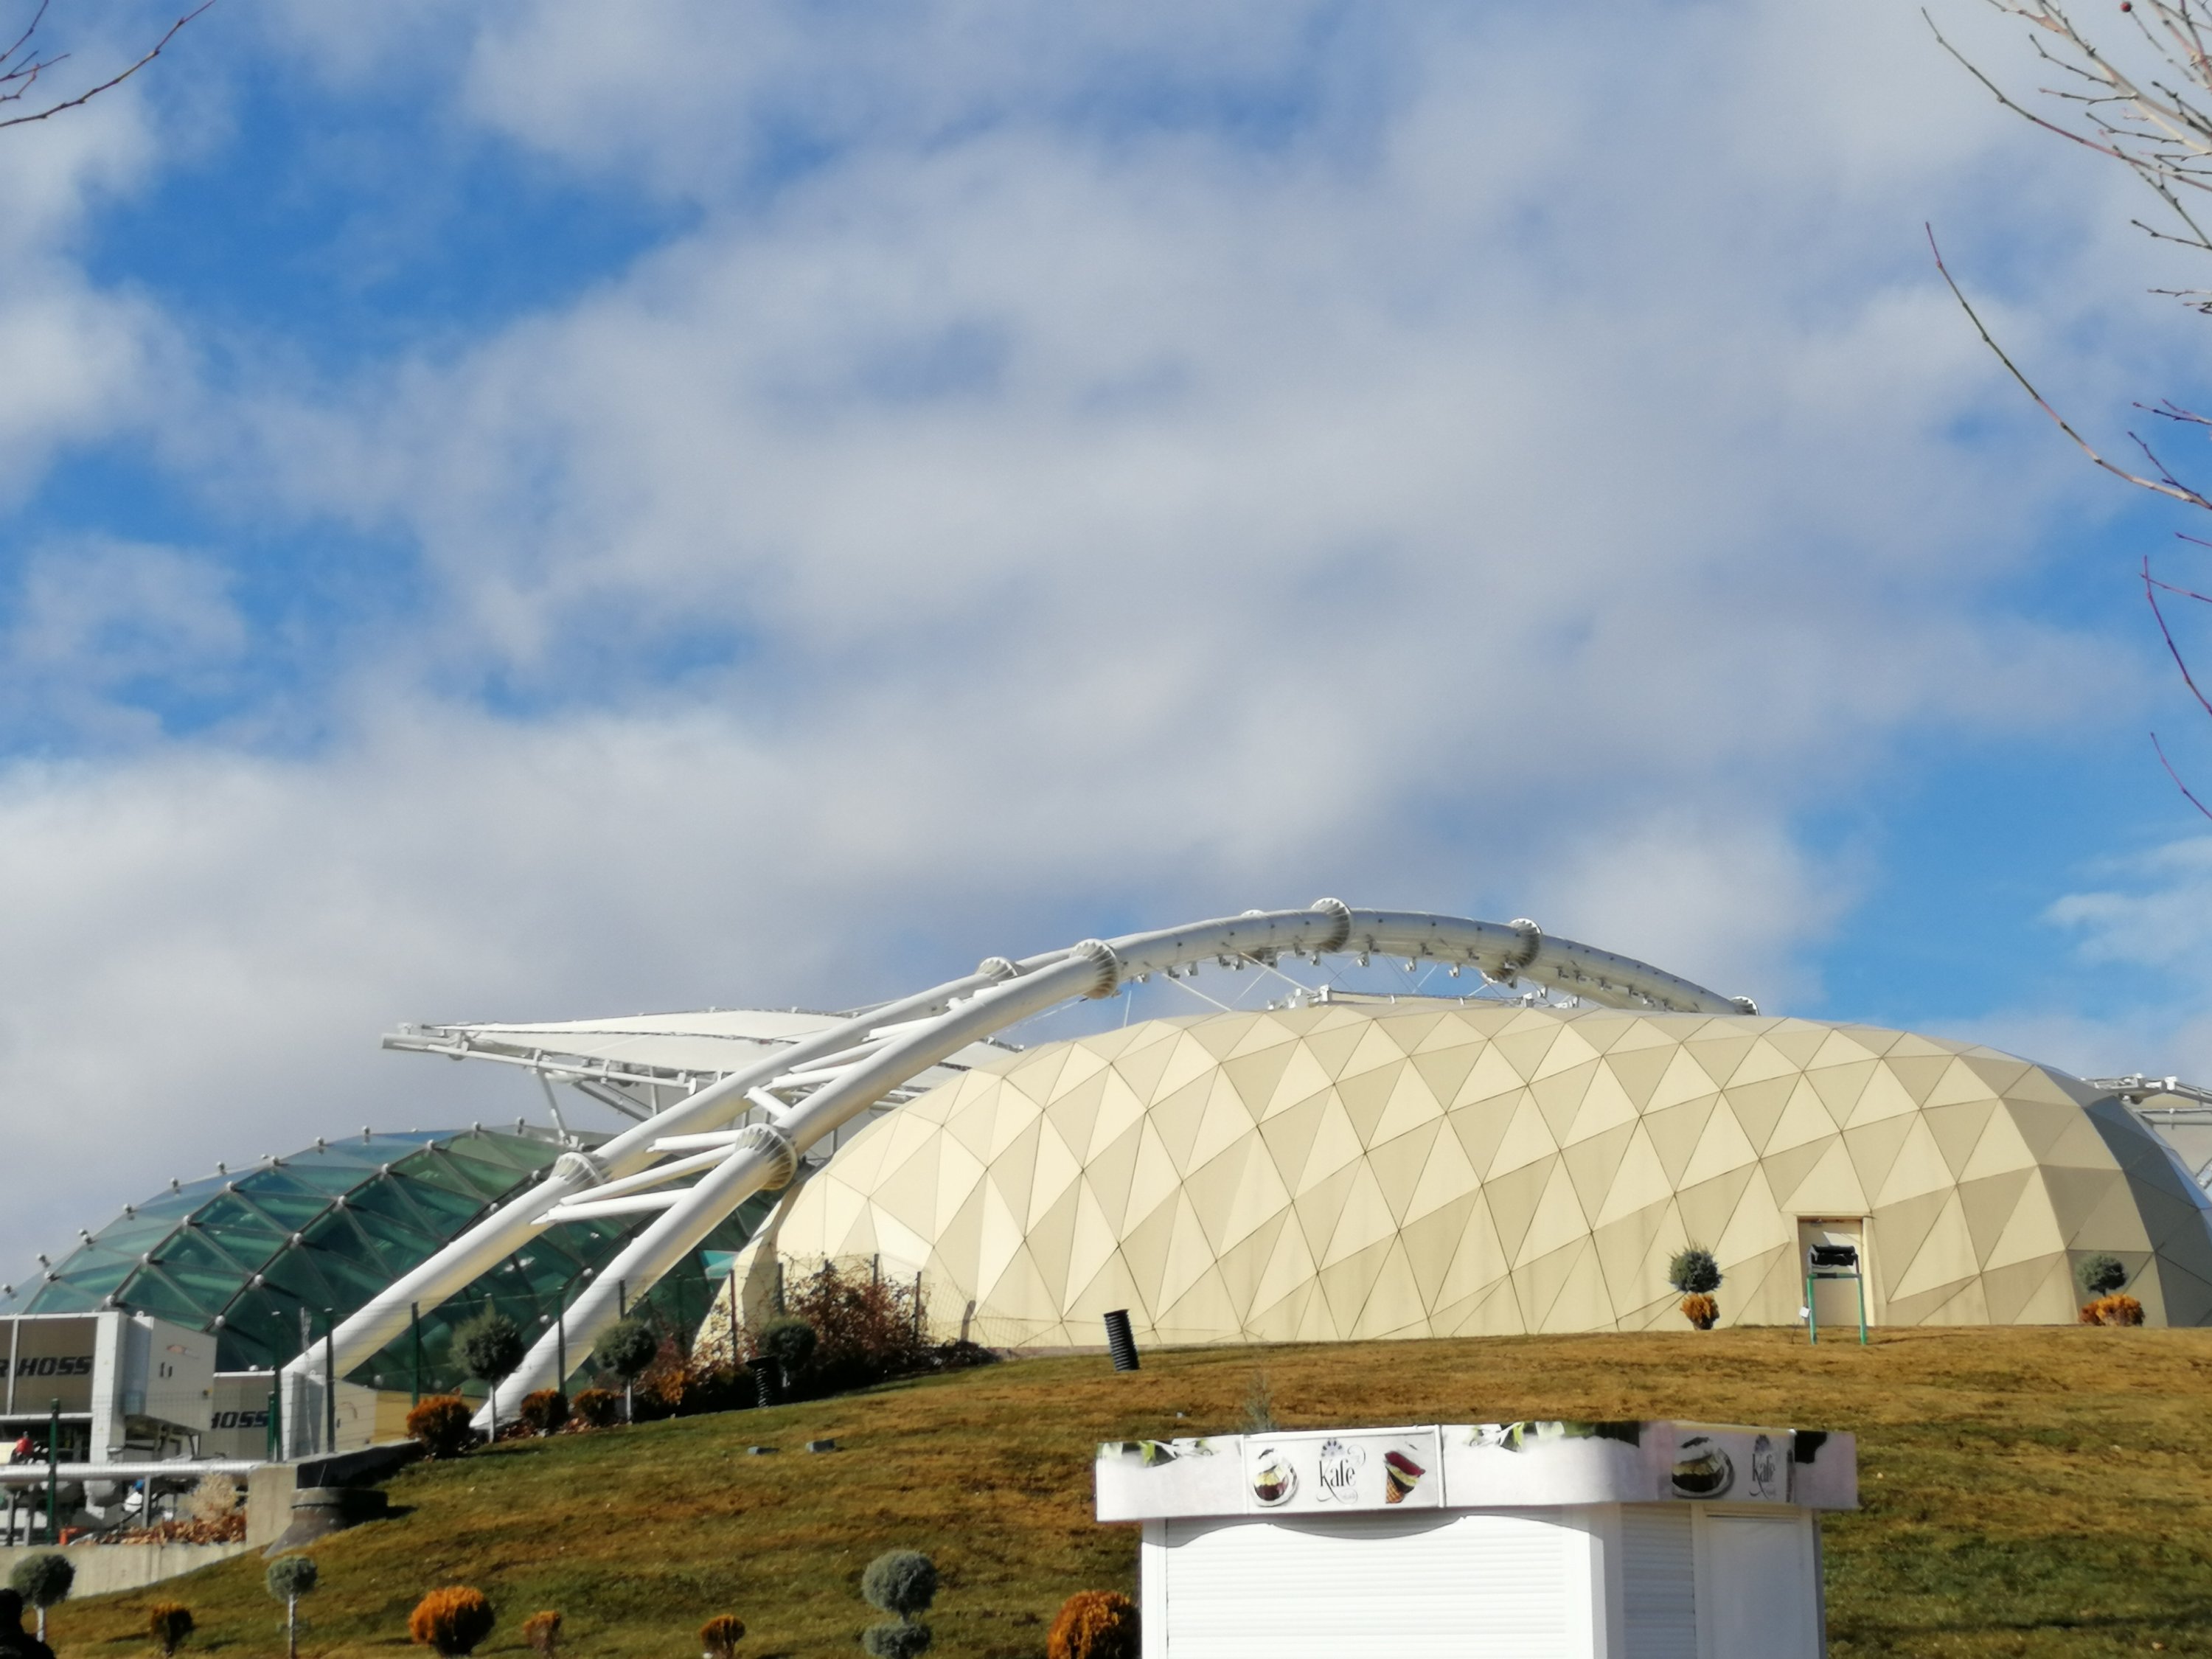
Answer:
(1836, 1300)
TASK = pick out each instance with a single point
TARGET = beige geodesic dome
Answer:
(1424, 1169)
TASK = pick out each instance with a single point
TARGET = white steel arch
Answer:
(806, 1092)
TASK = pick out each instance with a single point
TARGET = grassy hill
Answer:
(2028, 1491)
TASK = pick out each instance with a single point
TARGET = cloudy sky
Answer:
(529, 509)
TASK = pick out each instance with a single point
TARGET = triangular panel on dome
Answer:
(1676, 1130)
(1958, 1129)
(2013, 1292)
(1222, 1035)
(1558, 1219)
(1141, 1066)
(1722, 1146)
(1760, 1107)
(1945, 1256)
(1524, 1049)
(2095, 1209)
(1075, 1116)
(1412, 1104)
(1755, 1226)
(1639, 1069)
(1432, 1240)
(1050, 1238)
(1840, 1087)
(1225, 1119)
(1566, 1290)
(1721, 1050)
(1627, 1253)
(1205, 1312)
(1594, 1164)
(1875, 1147)
(1365, 1095)
(1918, 1066)
(1254, 1076)
(1331, 1044)
(1394, 1306)
(1558, 1096)
(1638, 1179)
(1707, 1207)
(1512, 1198)
(1527, 1139)
(1988, 1204)
(1398, 1163)
(2031, 1232)
(1237, 1191)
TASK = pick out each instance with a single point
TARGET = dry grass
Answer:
(2029, 1492)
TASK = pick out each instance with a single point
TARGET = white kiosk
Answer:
(1517, 1540)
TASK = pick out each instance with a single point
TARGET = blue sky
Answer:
(536, 508)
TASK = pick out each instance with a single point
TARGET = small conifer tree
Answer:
(289, 1578)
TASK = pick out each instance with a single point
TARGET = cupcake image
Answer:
(1701, 1469)
(1274, 1481)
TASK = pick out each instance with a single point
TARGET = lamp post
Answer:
(54, 1474)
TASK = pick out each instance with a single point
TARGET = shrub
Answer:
(169, 1623)
(1701, 1311)
(1693, 1272)
(865, 1329)
(543, 1631)
(450, 1621)
(543, 1412)
(441, 1425)
(213, 1500)
(1094, 1625)
(43, 1581)
(719, 1636)
(490, 1346)
(598, 1408)
(790, 1340)
(289, 1578)
(2100, 1275)
(896, 1641)
(902, 1582)
(626, 1348)
(2114, 1310)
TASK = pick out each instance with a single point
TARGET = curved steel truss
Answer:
(696, 1160)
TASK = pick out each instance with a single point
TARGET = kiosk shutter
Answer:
(1491, 1584)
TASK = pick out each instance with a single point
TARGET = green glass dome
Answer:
(242, 1254)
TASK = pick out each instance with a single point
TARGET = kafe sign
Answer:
(1339, 1470)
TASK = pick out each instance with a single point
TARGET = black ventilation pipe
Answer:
(1119, 1342)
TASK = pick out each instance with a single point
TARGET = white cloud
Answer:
(1523, 477)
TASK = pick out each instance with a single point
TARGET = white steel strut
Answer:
(804, 1092)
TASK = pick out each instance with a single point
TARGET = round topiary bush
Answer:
(2101, 1275)
(543, 1412)
(896, 1641)
(452, 1620)
(719, 1636)
(790, 1341)
(1094, 1625)
(902, 1582)
(289, 1578)
(1693, 1271)
(43, 1581)
(598, 1408)
(441, 1425)
(627, 1347)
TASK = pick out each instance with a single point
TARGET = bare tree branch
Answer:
(21, 67)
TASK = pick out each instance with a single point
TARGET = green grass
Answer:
(2027, 1491)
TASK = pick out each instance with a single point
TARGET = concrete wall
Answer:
(102, 1569)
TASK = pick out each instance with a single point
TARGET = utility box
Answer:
(1521, 1540)
(129, 1386)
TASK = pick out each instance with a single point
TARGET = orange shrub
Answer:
(1701, 1311)
(2112, 1310)
(452, 1620)
(599, 1408)
(543, 1412)
(441, 1423)
(719, 1636)
(1094, 1625)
